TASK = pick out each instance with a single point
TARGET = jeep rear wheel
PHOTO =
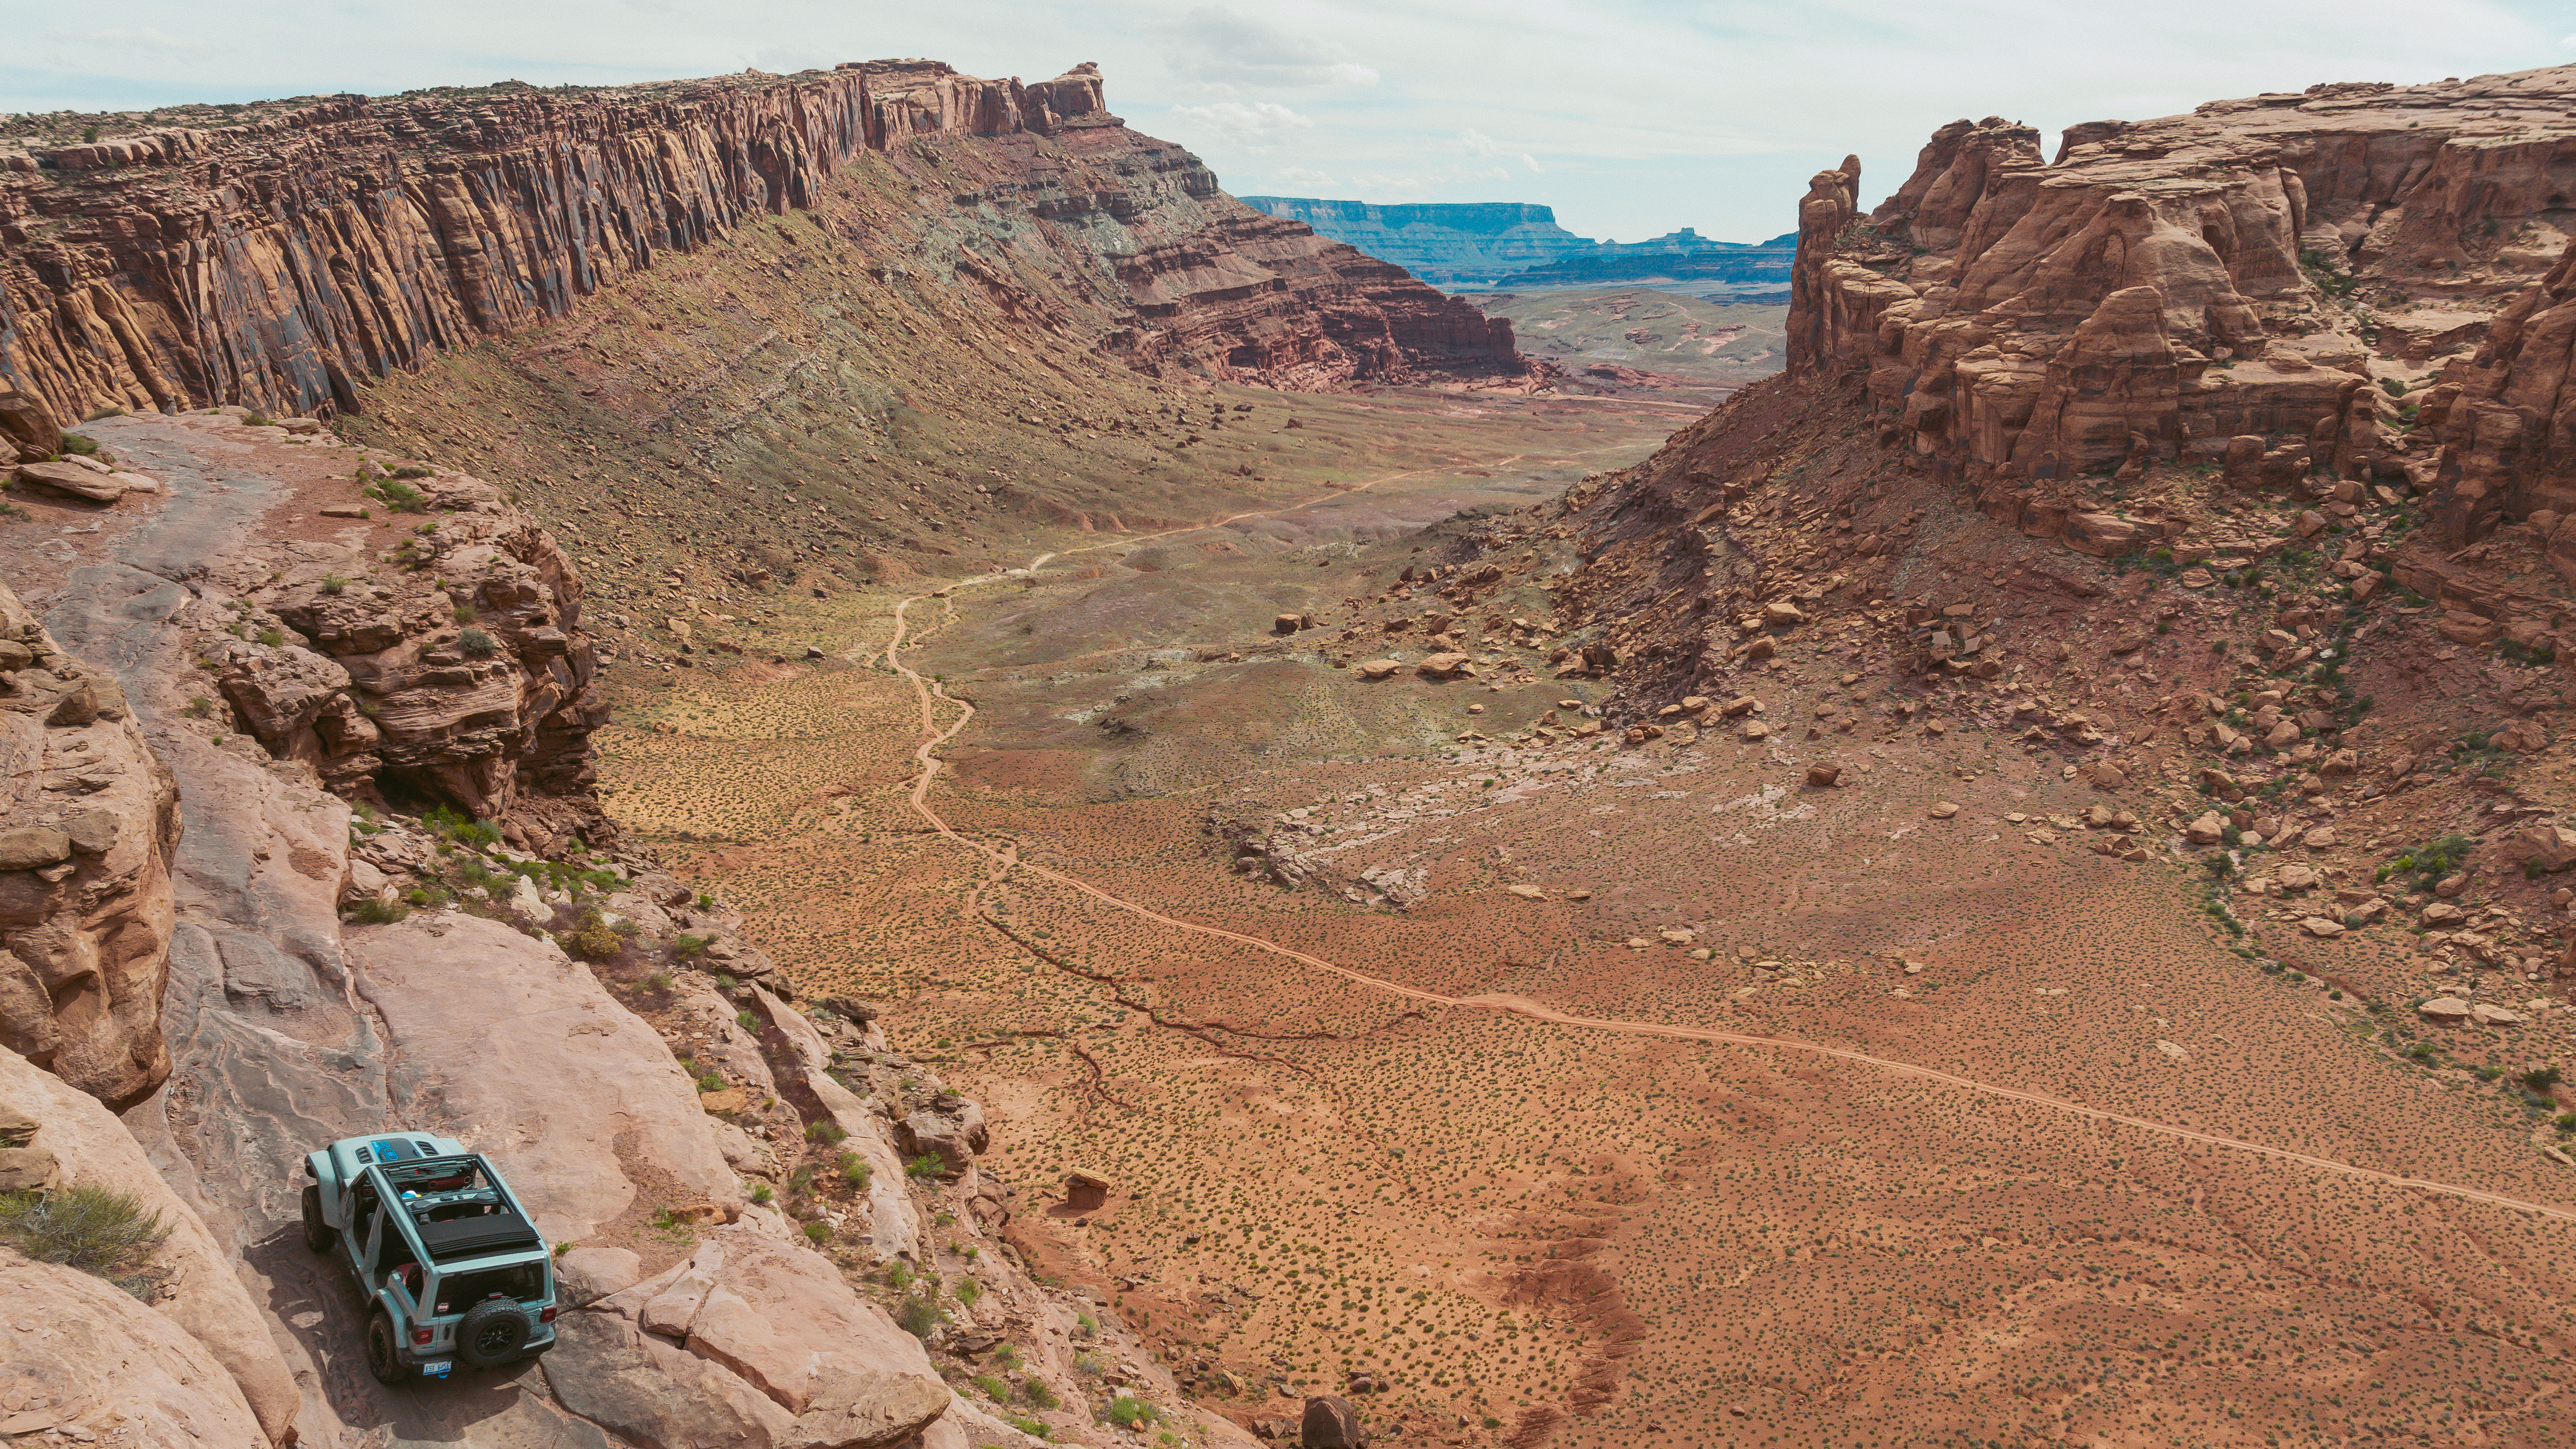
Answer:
(493, 1332)
(384, 1355)
(318, 1234)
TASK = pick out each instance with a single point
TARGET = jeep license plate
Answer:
(436, 1370)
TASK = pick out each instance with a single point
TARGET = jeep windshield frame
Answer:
(494, 1231)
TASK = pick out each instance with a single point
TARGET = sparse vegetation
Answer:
(97, 1230)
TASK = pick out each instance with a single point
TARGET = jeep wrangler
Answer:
(442, 1248)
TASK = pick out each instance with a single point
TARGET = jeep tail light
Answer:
(420, 1335)
(547, 1315)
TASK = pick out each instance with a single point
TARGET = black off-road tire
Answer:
(493, 1333)
(318, 1235)
(384, 1356)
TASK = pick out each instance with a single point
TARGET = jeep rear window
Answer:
(526, 1283)
(436, 1174)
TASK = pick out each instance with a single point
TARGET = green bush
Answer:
(334, 585)
(591, 939)
(75, 443)
(818, 1232)
(824, 1130)
(1036, 1392)
(918, 1315)
(373, 912)
(476, 644)
(1129, 1412)
(856, 1172)
(690, 948)
(927, 1164)
(994, 1386)
(2540, 1079)
(764, 1194)
(103, 1233)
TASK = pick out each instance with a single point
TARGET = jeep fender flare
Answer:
(317, 1166)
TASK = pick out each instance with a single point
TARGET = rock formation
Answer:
(282, 261)
(89, 818)
(2269, 272)
(202, 1296)
(91, 1357)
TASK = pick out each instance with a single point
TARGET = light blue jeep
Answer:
(444, 1251)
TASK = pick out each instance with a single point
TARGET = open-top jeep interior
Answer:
(457, 1208)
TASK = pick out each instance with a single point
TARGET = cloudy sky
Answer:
(1631, 117)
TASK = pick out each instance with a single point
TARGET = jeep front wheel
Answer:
(317, 1233)
(384, 1356)
(493, 1332)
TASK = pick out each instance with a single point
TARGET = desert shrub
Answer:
(690, 948)
(970, 1291)
(591, 939)
(994, 1387)
(2430, 862)
(763, 1194)
(373, 912)
(2564, 1121)
(917, 1315)
(657, 982)
(75, 443)
(2541, 1079)
(334, 585)
(412, 470)
(1084, 1326)
(476, 644)
(103, 1233)
(1036, 1392)
(818, 1232)
(2393, 386)
(926, 1165)
(746, 1021)
(272, 637)
(1034, 1428)
(1129, 1412)
(824, 1130)
(856, 1172)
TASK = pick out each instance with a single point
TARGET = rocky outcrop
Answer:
(459, 674)
(88, 1363)
(753, 1339)
(469, 1004)
(2247, 271)
(2509, 429)
(283, 261)
(201, 1298)
(89, 819)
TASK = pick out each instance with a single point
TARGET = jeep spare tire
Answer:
(317, 1233)
(493, 1332)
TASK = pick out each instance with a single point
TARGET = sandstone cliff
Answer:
(284, 260)
(89, 819)
(2338, 284)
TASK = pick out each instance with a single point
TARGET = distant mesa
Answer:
(1515, 245)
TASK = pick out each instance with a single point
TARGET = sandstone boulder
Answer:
(69, 480)
(480, 996)
(1332, 1422)
(87, 1363)
(2444, 1010)
(2545, 848)
(2207, 830)
(204, 1297)
(1445, 666)
(27, 427)
(1378, 668)
(86, 905)
(951, 1128)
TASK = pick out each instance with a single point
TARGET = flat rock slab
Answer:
(512, 1047)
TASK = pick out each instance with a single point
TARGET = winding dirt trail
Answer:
(932, 693)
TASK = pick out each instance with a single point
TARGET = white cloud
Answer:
(1531, 162)
(1227, 47)
(1252, 124)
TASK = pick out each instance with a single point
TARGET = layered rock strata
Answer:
(283, 261)
(89, 821)
(2293, 286)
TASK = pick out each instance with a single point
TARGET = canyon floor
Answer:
(1273, 949)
